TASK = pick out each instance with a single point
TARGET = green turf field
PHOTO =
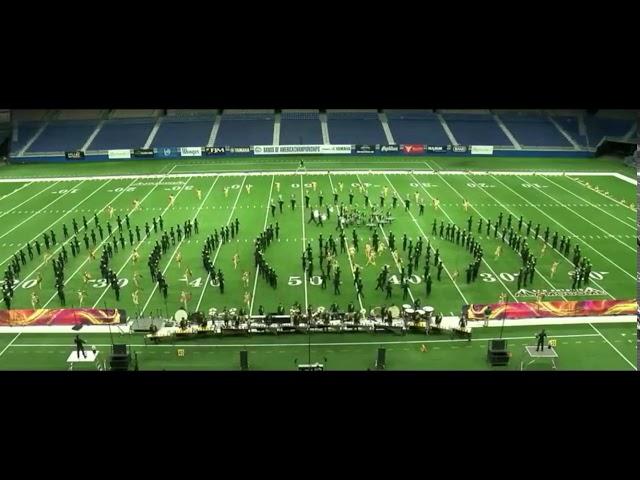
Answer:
(579, 347)
(604, 227)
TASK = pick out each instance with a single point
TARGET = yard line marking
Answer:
(593, 205)
(304, 234)
(175, 250)
(16, 190)
(60, 197)
(104, 291)
(10, 343)
(346, 243)
(508, 210)
(413, 300)
(618, 351)
(264, 227)
(57, 220)
(561, 254)
(204, 287)
(569, 231)
(28, 199)
(425, 236)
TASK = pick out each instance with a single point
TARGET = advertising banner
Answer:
(62, 316)
(301, 149)
(210, 151)
(74, 155)
(389, 148)
(438, 148)
(412, 149)
(190, 151)
(481, 150)
(579, 308)
(459, 149)
(365, 149)
(143, 152)
(119, 153)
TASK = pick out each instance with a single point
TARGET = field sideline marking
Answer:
(611, 344)
(319, 344)
(572, 233)
(320, 172)
(204, 287)
(611, 199)
(15, 191)
(175, 250)
(561, 254)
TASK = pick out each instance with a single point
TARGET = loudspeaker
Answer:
(382, 353)
(119, 363)
(244, 360)
(119, 349)
(497, 345)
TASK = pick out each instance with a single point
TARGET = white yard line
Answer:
(59, 219)
(593, 205)
(346, 243)
(15, 191)
(601, 193)
(106, 289)
(386, 239)
(611, 345)
(206, 283)
(175, 250)
(10, 343)
(569, 231)
(100, 244)
(60, 197)
(488, 252)
(426, 237)
(264, 227)
(28, 199)
(304, 241)
(561, 254)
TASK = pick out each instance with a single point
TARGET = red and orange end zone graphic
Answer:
(580, 308)
(61, 316)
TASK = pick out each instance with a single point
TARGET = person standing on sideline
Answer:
(540, 336)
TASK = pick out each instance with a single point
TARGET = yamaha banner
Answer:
(74, 155)
(143, 152)
(365, 149)
(210, 151)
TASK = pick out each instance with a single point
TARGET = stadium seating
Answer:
(25, 132)
(245, 129)
(183, 132)
(347, 128)
(476, 129)
(533, 130)
(598, 128)
(63, 135)
(415, 126)
(300, 128)
(114, 134)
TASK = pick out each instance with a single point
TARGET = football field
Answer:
(597, 212)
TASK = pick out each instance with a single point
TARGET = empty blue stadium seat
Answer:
(183, 132)
(26, 131)
(598, 128)
(245, 129)
(571, 125)
(347, 128)
(64, 135)
(476, 129)
(419, 127)
(300, 128)
(534, 130)
(116, 134)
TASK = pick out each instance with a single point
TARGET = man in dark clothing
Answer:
(79, 346)
(540, 336)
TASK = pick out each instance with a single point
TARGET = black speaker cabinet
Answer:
(382, 353)
(244, 360)
(497, 353)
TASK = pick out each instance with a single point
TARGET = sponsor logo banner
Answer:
(119, 153)
(481, 150)
(580, 308)
(438, 148)
(143, 152)
(389, 148)
(365, 148)
(74, 155)
(167, 152)
(301, 149)
(214, 150)
(413, 149)
(239, 149)
(190, 151)
(460, 149)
